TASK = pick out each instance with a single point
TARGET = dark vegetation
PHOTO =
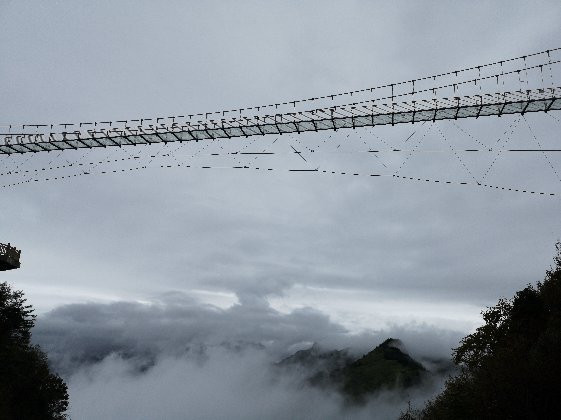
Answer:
(28, 390)
(510, 368)
(385, 367)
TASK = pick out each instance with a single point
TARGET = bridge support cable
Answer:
(324, 172)
(546, 157)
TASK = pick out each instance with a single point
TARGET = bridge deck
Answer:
(334, 118)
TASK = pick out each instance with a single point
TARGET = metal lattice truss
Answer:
(330, 118)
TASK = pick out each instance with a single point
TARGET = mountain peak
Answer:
(386, 366)
(393, 342)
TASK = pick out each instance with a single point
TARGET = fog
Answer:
(177, 357)
(226, 385)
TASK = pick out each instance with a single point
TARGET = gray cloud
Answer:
(174, 324)
(175, 357)
(129, 237)
(227, 385)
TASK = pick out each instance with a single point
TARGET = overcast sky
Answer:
(367, 253)
(334, 242)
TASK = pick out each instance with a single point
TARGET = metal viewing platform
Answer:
(9, 257)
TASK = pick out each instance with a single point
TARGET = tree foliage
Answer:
(510, 368)
(28, 390)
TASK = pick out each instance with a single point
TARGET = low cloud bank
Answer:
(227, 385)
(178, 358)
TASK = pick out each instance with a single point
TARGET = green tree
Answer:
(510, 368)
(28, 390)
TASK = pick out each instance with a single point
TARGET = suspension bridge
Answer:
(385, 110)
(509, 87)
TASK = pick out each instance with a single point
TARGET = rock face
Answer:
(385, 367)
